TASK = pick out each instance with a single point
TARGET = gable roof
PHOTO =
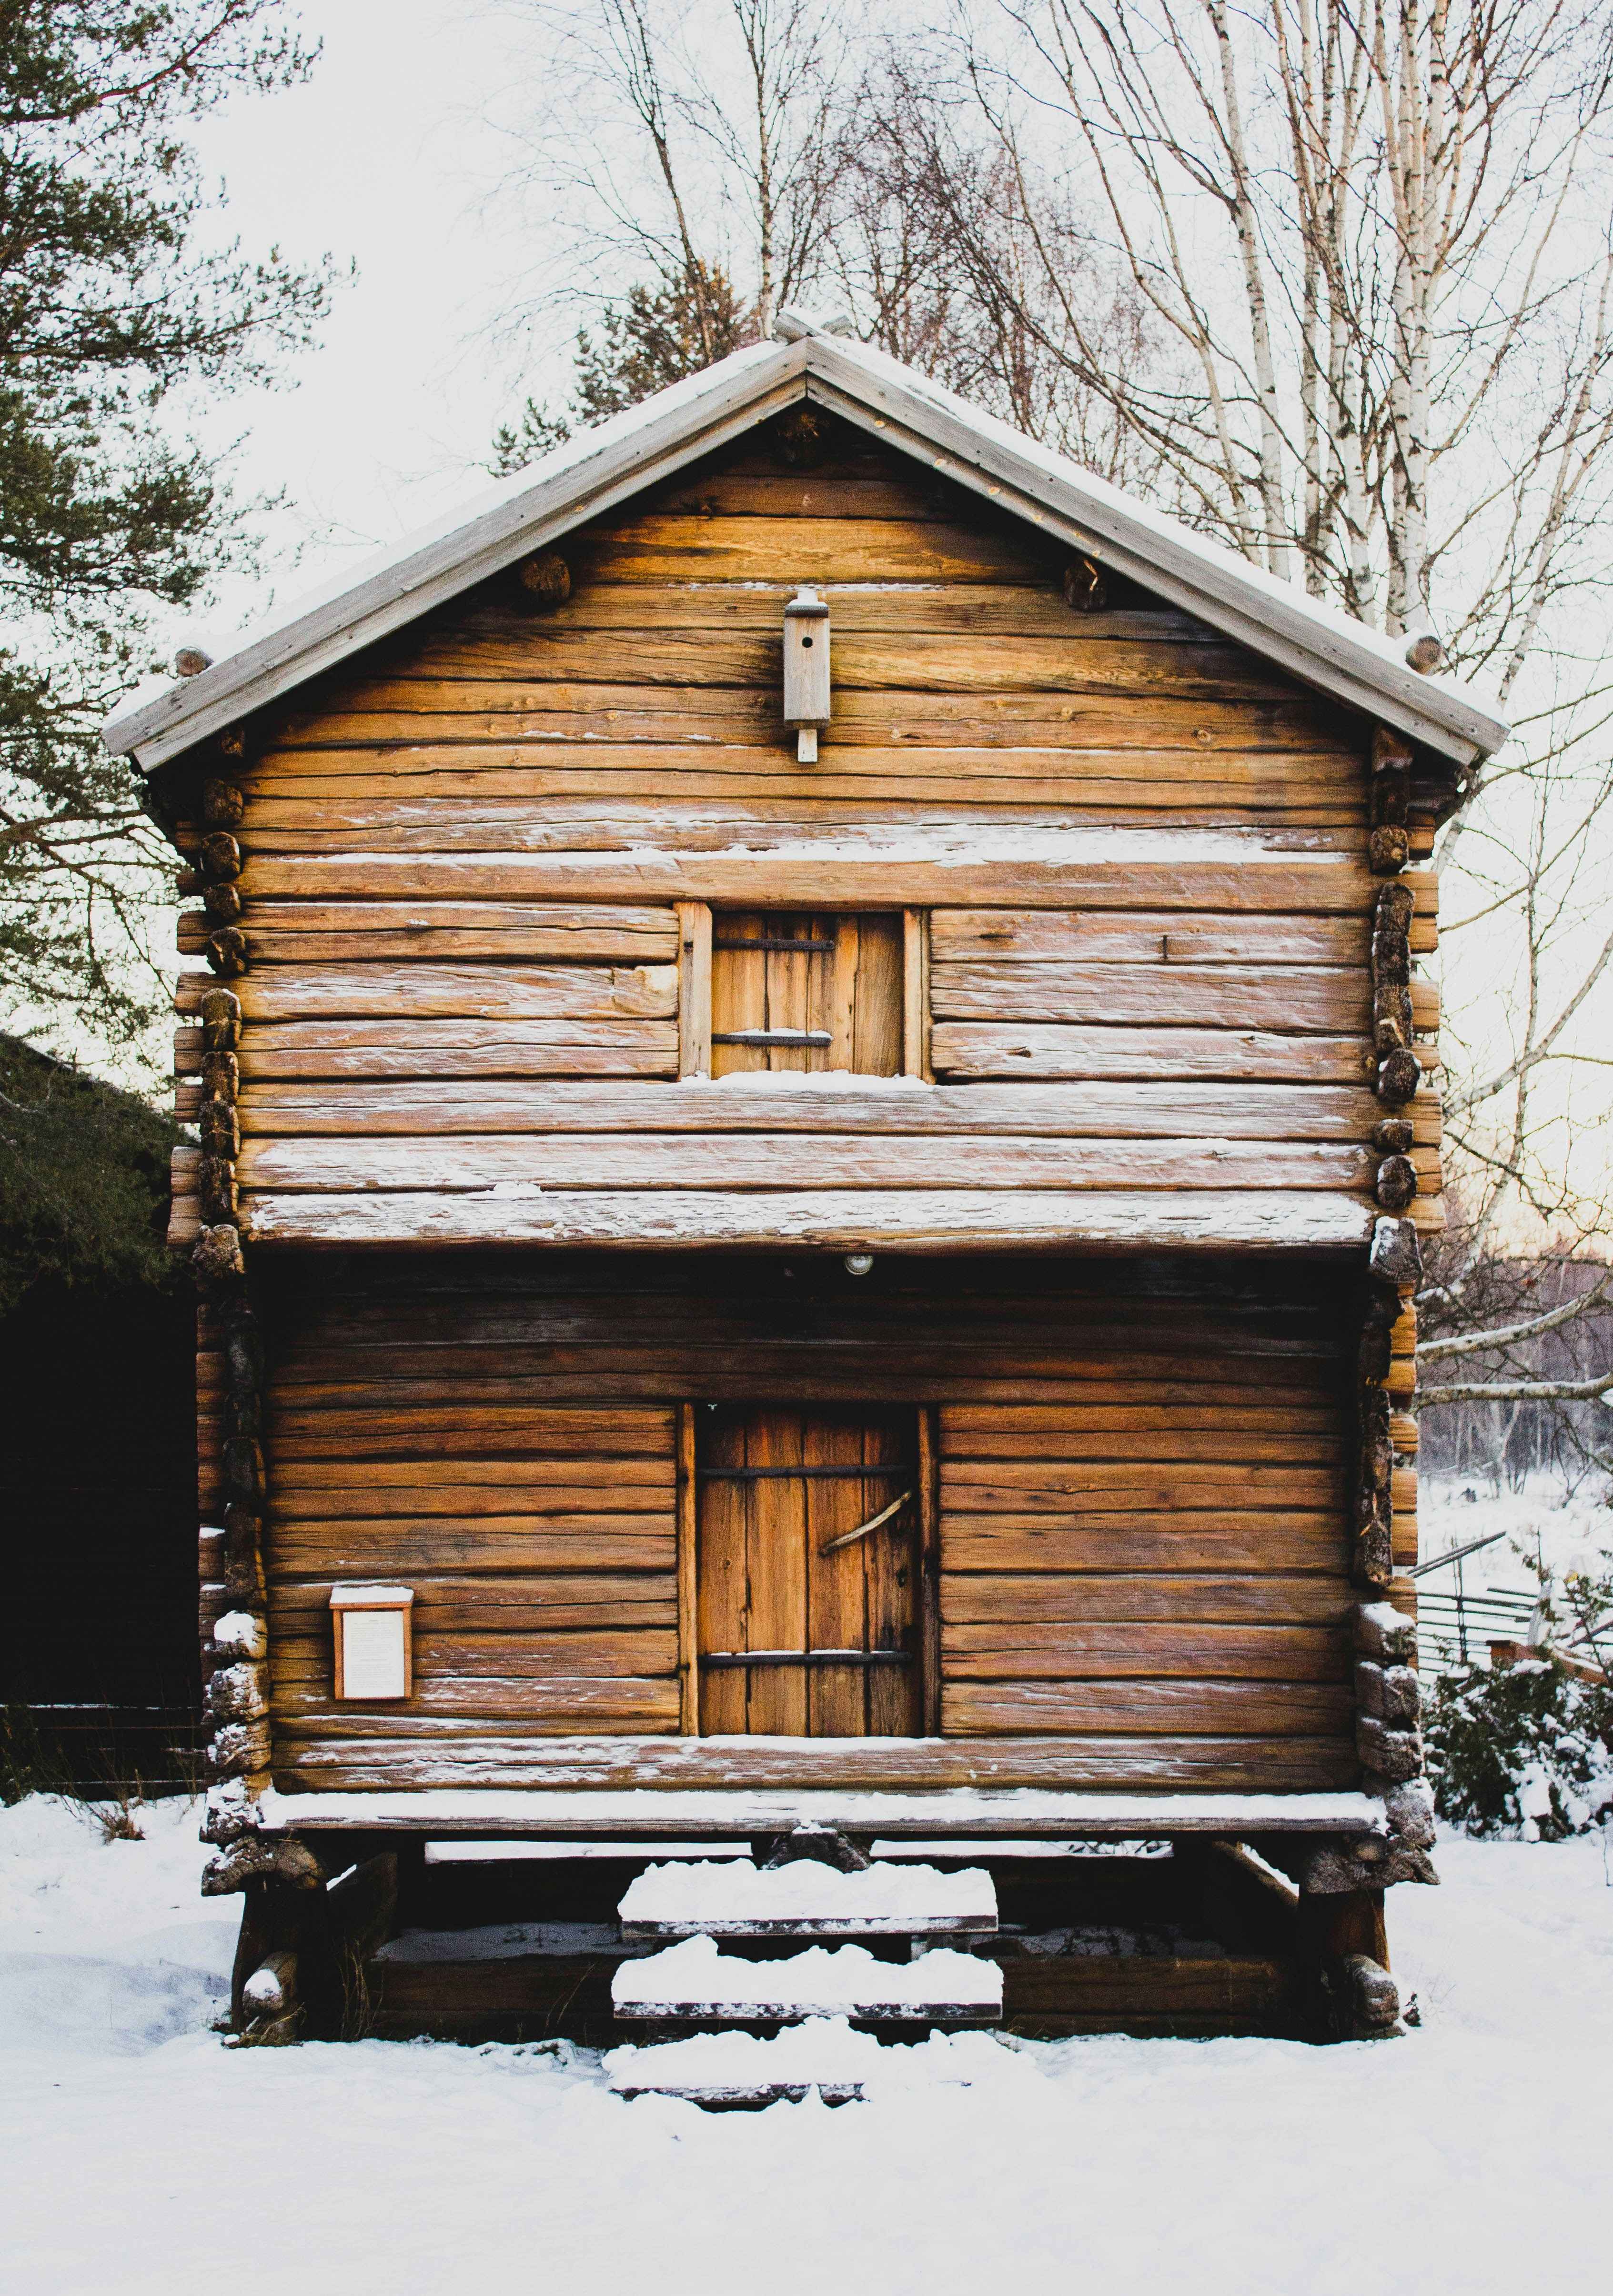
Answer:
(607, 464)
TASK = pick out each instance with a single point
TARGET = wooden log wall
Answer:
(456, 886)
(1144, 1507)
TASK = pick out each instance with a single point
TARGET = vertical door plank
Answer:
(837, 1597)
(688, 1627)
(842, 999)
(777, 1526)
(878, 1030)
(891, 1565)
(722, 1601)
(693, 989)
(739, 998)
(794, 992)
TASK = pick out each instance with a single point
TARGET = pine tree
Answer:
(661, 334)
(109, 304)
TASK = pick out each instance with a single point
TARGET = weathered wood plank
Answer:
(1285, 1710)
(442, 1048)
(646, 548)
(1215, 1540)
(1030, 1487)
(1314, 1000)
(623, 771)
(333, 1760)
(1265, 881)
(1041, 1431)
(1160, 1436)
(562, 1704)
(694, 1162)
(1146, 1054)
(469, 714)
(837, 1220)
(481, 631)
(1080, 936)
(347, 931)
(1184, 1647)
(480, 992)
(315, 1542)
(591, 796)
(380, 1424)
(1124, 1110)
(990, 1601)
(484, 632)
(920, 661)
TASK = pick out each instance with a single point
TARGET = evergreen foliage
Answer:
(83, 1178)
(110, 304)
(1521, 1749)
(662, 332)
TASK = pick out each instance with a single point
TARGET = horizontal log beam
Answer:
(842, 1220)
(1262, 880)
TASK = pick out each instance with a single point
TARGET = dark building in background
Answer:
(98, 1667)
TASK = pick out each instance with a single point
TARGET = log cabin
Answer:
(816, 1096)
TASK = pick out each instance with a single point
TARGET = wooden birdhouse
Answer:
(806, 671)
(374, 1652)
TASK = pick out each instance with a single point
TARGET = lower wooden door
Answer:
(807, 1571)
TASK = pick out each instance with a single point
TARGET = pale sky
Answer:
(382, 158)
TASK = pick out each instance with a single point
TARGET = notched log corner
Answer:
(1397, 1183)
(261, 1858)
(1395, 1258)
(216, 1257)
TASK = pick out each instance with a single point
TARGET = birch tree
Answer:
(669, 143)
(1372, 247)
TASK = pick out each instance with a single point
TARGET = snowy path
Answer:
(137, 2156)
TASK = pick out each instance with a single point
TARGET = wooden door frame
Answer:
(689, 1629)
(929, 1572)
(929, 1569)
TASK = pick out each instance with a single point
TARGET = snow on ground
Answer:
(138, 2158)
(1568, 1530)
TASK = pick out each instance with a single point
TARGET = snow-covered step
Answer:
(825, 2053)
(808, 1898)
(698, 1983)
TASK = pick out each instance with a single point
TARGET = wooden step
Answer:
(807, 1899)
(698, 1983)
(825, 2054)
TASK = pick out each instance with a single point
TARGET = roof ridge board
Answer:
(607, 463)
(1197, 572)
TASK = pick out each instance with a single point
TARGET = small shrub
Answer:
(28, 1765)
(1521, 1748)
(118, 1817)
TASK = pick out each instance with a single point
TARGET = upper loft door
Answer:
(794, 992)
(807, 1571)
